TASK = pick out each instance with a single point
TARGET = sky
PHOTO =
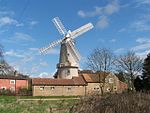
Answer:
(26, 26)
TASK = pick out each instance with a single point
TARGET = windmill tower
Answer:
(69, 56)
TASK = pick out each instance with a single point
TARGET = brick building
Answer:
(13, 83)
(58, 87)
(103, 81)
(86, 83)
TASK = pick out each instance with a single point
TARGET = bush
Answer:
(24, 92)
(116, 103)
(6, 92)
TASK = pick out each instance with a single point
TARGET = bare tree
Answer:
(4, 66)
(130, 64)
(1, 52)
(100, 60)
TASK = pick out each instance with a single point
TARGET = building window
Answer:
(52, 88)
(12, 89)
(41, 88)
(12, 81)
(69, 88)
(115, 88)
(3, 88)
(96, 89)
(111, 80)
(108, 89)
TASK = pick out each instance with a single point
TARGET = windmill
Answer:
(69, 56)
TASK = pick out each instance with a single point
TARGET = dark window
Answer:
(52, 88)
(69, 88)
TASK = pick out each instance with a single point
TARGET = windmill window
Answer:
(68, 72)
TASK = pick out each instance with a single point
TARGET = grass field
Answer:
(12, 104)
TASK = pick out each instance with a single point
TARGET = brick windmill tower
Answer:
(69, 56)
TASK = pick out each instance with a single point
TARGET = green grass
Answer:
(11, 104)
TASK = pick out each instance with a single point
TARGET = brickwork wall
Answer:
(58, 90)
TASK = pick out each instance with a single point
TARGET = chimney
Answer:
(16, 73)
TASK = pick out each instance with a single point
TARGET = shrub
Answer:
(24, 92)
(116, 103)
(6, 92)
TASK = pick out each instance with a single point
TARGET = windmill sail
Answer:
(81, 30)
(73, 51)
(59, 26)
(42, 50)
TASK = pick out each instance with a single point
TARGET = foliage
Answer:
(146, 73)
(24, 91)
(116, 103)
(138, 84)
(6, 92)
(121, 76)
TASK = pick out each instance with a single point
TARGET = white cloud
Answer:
(81, 14)
(143, 54)
(141, 47)
(113, 40)
(53, 51)
(112, 8)
(43, 63)
(103, 22)
(33, 23)
(144, 43)
(13, 53)
(7, 21)
(96, 12)
(19, 24)
(34, 49)
(6, 13)
(44, 75)
(142, 24)
(119, 50)
(23, 37)
(143, 40)
(142, 2)
(102, 12)
(122, 30)
(109, 9)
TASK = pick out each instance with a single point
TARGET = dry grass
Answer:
(115, 103)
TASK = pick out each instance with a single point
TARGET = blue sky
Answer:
(26, 26)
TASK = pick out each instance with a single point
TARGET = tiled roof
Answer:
(123, 85)
(94, 77)
(19, 77)
(49, 81)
